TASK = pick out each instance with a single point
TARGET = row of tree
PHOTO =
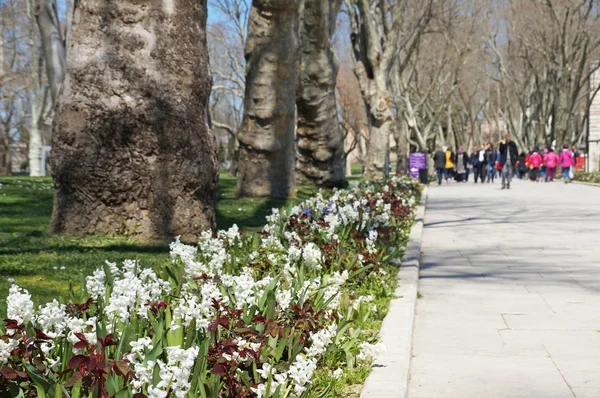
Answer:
(132, 144)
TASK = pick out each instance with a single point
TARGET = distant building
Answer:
(594, 126)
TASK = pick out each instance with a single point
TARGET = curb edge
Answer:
(391, 371)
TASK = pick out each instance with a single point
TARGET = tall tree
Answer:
(320, 149)
(383, 33)
(53, 44)
(40, 105)
(267, 150)
(132, 149)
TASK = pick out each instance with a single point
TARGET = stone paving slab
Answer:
(510, 293)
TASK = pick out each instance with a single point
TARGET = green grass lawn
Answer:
(45, 264)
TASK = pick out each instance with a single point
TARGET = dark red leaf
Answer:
(81, 337)
(219, 369)
(121, 367)
(81, 344)
(93, 364)
(73, 380)
(41, 335)
(9, 373)
(224, 322)
(77, 360)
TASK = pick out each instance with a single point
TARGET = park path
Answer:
(510, 293)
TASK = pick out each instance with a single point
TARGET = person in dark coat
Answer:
(522, 166)
(462, 161)
(477, 162)
(439, 161)
(509, 156)
(490, 162)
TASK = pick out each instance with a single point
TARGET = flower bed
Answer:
(592, 178)
(290, 312)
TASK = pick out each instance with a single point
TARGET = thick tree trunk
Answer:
(380, 123)
(320, 150)
(267, 148)
(132, 149)
(53, 44)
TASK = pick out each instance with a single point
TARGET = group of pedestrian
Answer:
(543, 166)
(487, 162)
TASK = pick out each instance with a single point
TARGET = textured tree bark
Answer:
(132, 149)
(380, 120)
(267, 149)
(320, 148)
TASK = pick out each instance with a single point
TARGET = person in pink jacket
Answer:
(551, 161)
(566, 161)
(535, 161)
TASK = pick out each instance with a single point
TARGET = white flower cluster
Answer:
(370, 351)
(371, 241)
(133, 290)
(6, 348)
(311, 254)
(52, 319)
(320, 341)
(301, 371)
(19, 305)
(363, 299)
(175, 374)
(96, 283)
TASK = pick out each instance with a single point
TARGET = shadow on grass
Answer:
(249, 213)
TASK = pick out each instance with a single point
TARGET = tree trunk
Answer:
(35, 146)
(132, 149)
(319, 137)
(38, 100)
(402, 149)
(53, 44)
(267, 150)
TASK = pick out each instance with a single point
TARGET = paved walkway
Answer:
(510, 286)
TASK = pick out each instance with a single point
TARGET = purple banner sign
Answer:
(416, 161)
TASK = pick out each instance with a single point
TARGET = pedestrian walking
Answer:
(439, 161)
(449, 170)
(462, 161)
(576, 155)
(551, 161)
(543, 166)
(567, 162)
(535, 161)
(476, 161)
(509, 154)
(522, 166)
(490, 159)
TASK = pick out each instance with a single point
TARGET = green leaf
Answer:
(37, 378)
(269, 289)
(40, 391)
(124, 341)
(154, 353)
(280, 349)
(111, 386)
(76, 389)
(58, 393)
